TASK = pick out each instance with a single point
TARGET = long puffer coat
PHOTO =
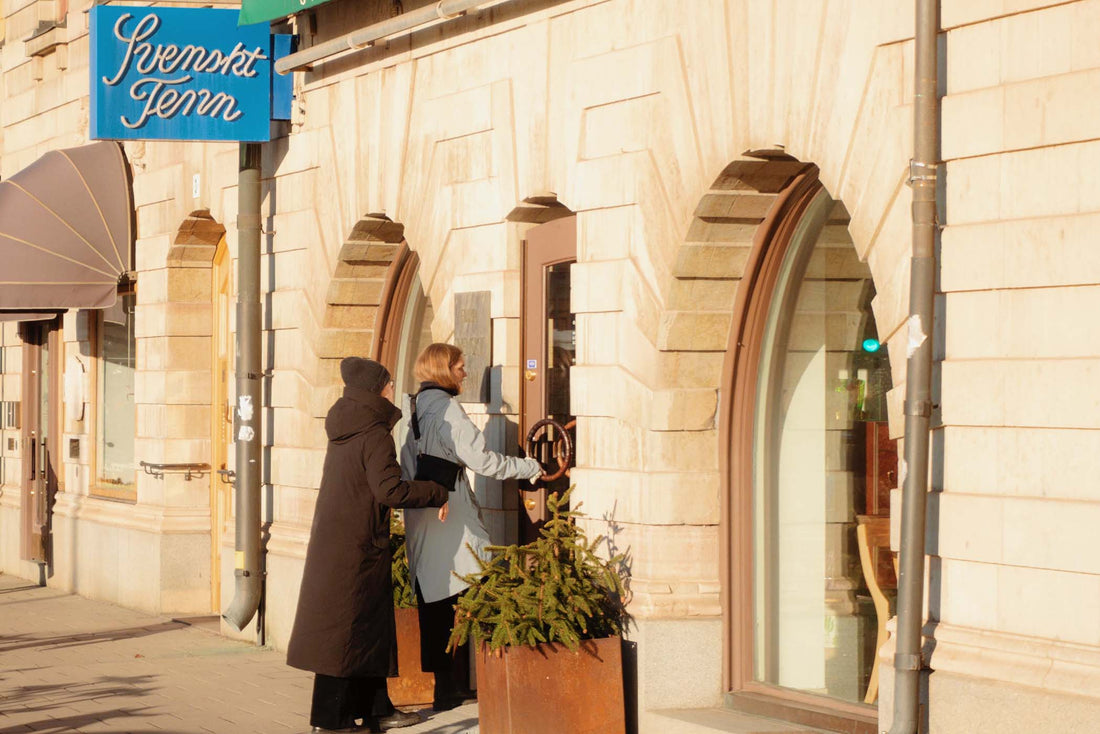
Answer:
(344, 626)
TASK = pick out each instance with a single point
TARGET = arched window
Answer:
(822, 381)
(810, 466)
(405, 325)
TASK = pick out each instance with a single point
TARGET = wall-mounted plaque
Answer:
(474, 336)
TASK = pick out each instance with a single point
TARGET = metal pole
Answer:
(246, 598)
(918, 380)
(440, 11)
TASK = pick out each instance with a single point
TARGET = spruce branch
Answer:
(556, 589)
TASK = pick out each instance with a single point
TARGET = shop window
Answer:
(115, 412)
(821, 386)
(416, 334)
(406, 322)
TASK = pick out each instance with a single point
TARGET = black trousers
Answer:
(338, 702)
(452, 670)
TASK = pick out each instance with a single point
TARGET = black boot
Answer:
(398, 719)
(449, 694)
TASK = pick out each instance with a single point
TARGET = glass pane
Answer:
(116, 413)
(416, 334)
(561, 342)
(823, 384)
(43, 438)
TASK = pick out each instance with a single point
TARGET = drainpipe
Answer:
(364, 37)
(246, 598)
(918, 380)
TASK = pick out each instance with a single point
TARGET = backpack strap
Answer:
(413, 419)
(412, 415)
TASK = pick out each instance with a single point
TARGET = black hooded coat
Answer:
(344, 626)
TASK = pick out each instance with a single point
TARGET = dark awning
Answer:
(28, 315)
(258, 11)
(65, 230)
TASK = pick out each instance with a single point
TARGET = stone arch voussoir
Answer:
(711, 262)
(196, 241)
(356, 288)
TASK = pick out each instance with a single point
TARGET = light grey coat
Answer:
(437, 550)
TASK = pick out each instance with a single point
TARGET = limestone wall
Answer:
(630, 113)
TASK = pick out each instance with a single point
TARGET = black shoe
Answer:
(398, 719)
(454, 700)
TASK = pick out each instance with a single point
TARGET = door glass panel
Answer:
(116, 412)
(561, 342)
(823, 383)
(42, 481)
(561, 350)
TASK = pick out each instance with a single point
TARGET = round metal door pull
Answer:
(563, 445)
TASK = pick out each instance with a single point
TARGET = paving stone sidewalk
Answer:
(68, 664)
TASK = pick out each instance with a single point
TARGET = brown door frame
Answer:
(40, 476)
(736, 429)
(545, 245)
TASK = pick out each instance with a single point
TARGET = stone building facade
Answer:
(731, 176)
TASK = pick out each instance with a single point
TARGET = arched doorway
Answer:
(405, 325)
(808, 465)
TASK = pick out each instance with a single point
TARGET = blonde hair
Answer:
(436, 364)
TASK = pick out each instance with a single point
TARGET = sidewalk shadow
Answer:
(457, 727)
(52, 724)
(19, 642)
(29, 699)
(466, 725)
(13, 589)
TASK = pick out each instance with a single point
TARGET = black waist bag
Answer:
(428, 467)
(437, 470)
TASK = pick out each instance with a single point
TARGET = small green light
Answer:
(871, 345)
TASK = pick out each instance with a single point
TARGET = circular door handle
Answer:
(530, 375)
(529, 503)
(563, 446)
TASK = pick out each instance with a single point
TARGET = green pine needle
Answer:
(555, 589)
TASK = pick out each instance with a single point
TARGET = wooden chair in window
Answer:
(880, 573)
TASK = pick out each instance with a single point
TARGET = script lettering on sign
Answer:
(164, 66)
(166, 73)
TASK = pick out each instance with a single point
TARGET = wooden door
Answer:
(549, 345)
(221, 414)
(41, 468)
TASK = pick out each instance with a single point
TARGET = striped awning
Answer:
(65, 230)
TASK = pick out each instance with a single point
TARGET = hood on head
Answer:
(357, 411)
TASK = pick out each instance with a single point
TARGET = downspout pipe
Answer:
(918, 381)
(246, 424)
(367, 36)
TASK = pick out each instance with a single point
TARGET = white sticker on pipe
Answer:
(246, 433)
(917, 336)
(244, 407)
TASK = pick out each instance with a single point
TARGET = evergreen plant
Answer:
(556, 589)
(403, 595)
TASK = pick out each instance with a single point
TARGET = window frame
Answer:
(741, 372)
(95, 340)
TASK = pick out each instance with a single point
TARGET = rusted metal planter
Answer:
(414, 687)
(547, 689)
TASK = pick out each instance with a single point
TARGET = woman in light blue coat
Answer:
(437, 540)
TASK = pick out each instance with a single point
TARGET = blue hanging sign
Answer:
(179, 74)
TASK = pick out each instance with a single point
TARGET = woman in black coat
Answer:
(344, 628)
